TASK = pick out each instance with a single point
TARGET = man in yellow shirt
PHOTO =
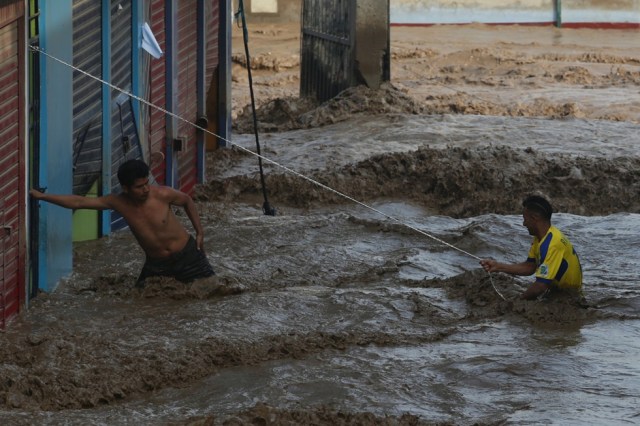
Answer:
(551, 256)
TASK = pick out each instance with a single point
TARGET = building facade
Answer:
(85, 86)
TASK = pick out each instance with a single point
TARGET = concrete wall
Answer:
(271, 11)
(592, 12)
(601, 12)
(467, 11)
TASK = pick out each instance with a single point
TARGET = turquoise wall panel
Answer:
(56, 172)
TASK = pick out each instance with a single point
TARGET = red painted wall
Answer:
(157, 123)
(187, 94)
(12, 164)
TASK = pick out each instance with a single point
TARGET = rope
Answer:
(268, 160)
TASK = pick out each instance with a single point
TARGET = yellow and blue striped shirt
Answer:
(556, 260)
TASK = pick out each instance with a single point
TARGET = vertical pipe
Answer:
(558, 13)
(105, 218)
(201, 92)
(136, 68)
(171, 66)
(34, 91)
(224, 65)
(23, 273)
(43, 157)
(32, 87)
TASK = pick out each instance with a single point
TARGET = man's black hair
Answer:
(131, 170)
(538, 204)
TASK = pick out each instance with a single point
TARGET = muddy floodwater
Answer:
(362, 301)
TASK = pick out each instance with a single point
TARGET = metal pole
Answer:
(558, 13)
(266, 207)
(171, 68)
(201, 91)
(224, 74)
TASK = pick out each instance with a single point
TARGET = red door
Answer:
(12, 172)
(187, 94)
(157, 81)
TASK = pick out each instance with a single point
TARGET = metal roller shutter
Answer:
(87, 94)
(11, 175)
(125, 144)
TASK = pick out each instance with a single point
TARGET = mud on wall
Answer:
(514, 11)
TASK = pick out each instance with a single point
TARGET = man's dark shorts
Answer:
(186, 265)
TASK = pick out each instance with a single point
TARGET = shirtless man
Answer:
(170, 250)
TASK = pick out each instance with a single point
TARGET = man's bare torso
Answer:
(153, 222)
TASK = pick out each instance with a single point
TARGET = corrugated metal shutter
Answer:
(213, 28)
(215, 78)
(11, 175)
(87, 94)
(10, 10)
(157, 79)
(327, 56)
(125, 144)
(187, 93)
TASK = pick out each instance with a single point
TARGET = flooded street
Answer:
(341, 310)
(375, 311)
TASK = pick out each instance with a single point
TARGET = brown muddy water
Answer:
(331, 313)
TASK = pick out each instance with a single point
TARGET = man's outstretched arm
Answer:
(522, 268)
(74, 202)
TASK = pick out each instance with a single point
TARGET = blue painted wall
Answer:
(575, 11)
(417, 12)
(56, 134)
(445, 12)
